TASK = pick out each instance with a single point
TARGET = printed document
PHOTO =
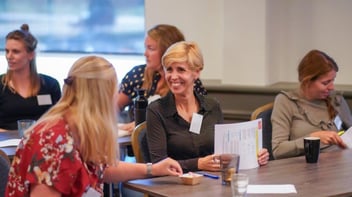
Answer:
(347, 137)
(244, 138)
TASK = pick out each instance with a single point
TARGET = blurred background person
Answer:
(24, 94)
(169, 119)
(151, 76)
(314, 109)
(71, 150)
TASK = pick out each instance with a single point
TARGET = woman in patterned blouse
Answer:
(150, 76)
(71, 150)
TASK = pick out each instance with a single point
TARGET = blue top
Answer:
(14, 107)
(134, 79)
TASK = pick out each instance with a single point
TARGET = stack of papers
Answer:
(347, 137)
(10, 142)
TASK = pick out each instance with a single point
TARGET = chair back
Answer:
(4, 171)
(139, 143)
(264, 112)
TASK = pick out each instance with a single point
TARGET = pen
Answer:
(340, 133)
(212, 176)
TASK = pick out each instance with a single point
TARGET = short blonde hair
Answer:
(184, 52)
(89, 92)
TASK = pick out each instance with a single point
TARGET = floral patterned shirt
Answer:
(50, 157)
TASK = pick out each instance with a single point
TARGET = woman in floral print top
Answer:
(70, 151)
(151, 76)
(50, 156)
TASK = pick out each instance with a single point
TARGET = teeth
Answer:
(175, 84)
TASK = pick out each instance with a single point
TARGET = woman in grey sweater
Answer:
(314, 109)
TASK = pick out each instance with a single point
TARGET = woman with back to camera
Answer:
(71, 150)
(314, 109)
(150, 76)
(169, 119)
(24, 94)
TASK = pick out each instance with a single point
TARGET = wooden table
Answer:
(331, 176)
(11, 150)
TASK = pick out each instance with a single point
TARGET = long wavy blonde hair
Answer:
(89, 92)
(165, 35)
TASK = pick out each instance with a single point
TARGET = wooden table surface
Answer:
(331, 176)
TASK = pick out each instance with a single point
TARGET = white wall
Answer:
(244, 42)
(58, 65)
(251, 42)
(200, 20)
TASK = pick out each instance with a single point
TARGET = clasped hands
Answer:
(212, 163)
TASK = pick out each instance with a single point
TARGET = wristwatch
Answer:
(149, 169)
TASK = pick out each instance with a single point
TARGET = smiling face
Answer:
(17, 56)
(180, 78)
(321, 87)
(152, 54)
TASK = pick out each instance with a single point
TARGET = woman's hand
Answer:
(165, 167)
(329, 137)
(127, 126)
(263, 157)
(209, 163)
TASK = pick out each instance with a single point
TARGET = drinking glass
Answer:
(239, 183)
(229, 164)
(23, 125)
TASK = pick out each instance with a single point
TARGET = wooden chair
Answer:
(139, 143)
(5, 156)
(264, 112)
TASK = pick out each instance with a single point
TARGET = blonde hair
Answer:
(89, 92)
(30, 42)
(184, 52)
(165, 35)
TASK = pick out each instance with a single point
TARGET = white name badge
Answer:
(153, 98)
(44, 99)
(196, 123)
(338, 123)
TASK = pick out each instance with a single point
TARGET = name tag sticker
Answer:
(338, 122)
(153, 98)
(44, 99)
(196, 123)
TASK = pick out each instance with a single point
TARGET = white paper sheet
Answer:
(347, 137)
(271, 189)
(10, 142)
(243, 138)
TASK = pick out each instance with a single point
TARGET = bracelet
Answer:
(149, 169)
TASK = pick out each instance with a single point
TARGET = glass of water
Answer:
(239, 183)
(23, 125)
